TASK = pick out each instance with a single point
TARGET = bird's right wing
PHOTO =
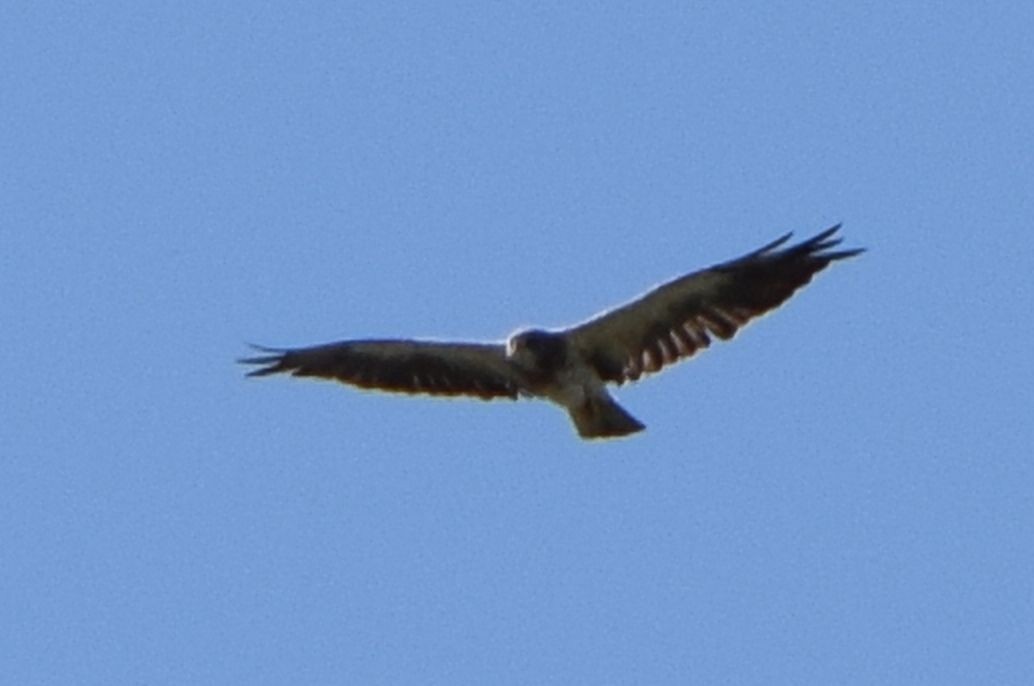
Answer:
(403, 366)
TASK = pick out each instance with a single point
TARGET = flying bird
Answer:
(571, 367)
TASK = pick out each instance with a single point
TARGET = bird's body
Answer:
(571, 367)
(553, 370)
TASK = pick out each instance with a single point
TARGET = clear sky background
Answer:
(841, 495)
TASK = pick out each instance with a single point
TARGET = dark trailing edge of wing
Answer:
(398, 366)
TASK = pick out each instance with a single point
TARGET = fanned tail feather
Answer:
(601, 417)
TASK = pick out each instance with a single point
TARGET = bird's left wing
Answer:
(676, 319)
(404, 366)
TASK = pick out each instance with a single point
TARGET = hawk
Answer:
(572, 367)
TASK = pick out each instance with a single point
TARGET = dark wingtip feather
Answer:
(274, 360)
(772, 246)
(826, 234)
(266, 349)
(274, 366)
(818, 244)
(820, 241)
(844, 254)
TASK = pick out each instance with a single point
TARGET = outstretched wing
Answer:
(677, 319)
(402, 366)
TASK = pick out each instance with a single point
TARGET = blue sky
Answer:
(841, 495)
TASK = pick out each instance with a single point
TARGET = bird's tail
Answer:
(601, 417)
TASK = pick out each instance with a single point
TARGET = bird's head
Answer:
(537, 349)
